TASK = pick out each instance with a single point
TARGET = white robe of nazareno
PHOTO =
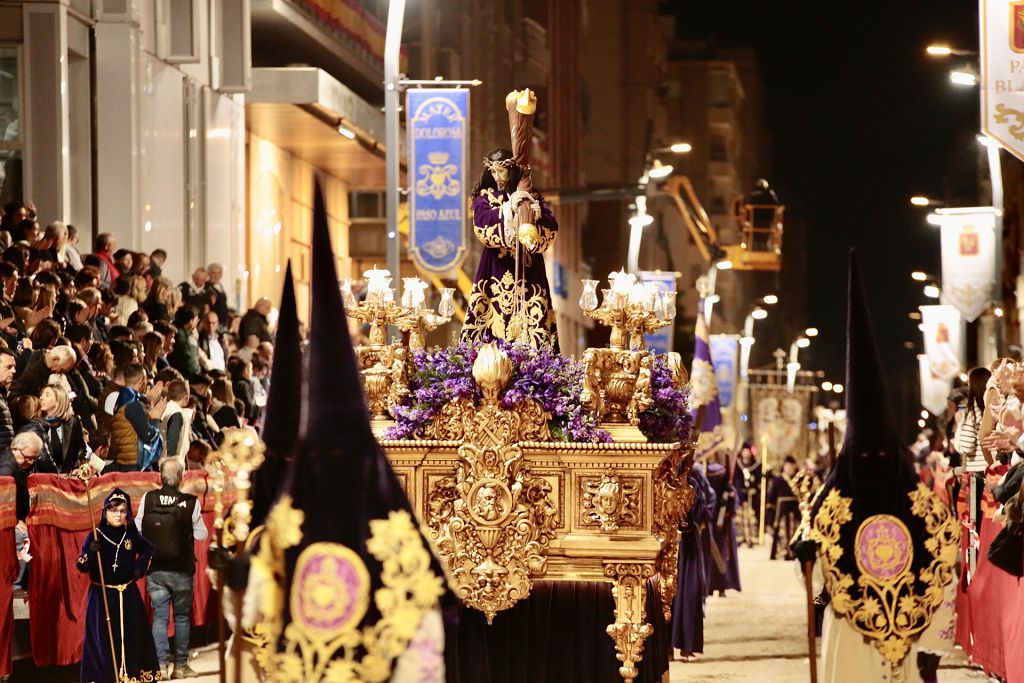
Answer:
(849, 657)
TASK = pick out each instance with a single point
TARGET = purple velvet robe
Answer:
(688, 605)
(493, 299)
(132, 632)
(722, 532)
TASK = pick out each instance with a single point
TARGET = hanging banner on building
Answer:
(943, 340)
(968, 259)
(934, 389)
(438, 125)
(661, 340)
(724, 350)
(1002, 72)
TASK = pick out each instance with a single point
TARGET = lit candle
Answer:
(376, 280)
(638, 295)
(376, 284)
(621, 282)
(414, 295)
(446, 306)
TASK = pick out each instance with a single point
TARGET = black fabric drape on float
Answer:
(557, 635)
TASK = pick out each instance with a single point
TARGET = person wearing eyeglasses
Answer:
(121, 617)
(18, 461)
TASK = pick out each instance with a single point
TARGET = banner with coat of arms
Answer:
(438, 127)
(724, 352)
(968, 259)
(1002, 72)
(780, 419)
(934, 389)
(943, 341)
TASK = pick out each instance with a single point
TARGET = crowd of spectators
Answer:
(107, 363)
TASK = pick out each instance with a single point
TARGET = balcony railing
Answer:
(351, 20)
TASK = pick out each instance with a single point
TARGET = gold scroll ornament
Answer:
(493, 536)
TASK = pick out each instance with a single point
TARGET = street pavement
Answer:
(760, 634)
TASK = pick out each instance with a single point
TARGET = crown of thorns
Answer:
(504, 163)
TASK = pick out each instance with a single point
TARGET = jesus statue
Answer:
(510, 298)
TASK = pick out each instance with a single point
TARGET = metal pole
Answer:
(392, 91)
(812, 621)
(996, 176)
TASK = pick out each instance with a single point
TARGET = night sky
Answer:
(861, 119)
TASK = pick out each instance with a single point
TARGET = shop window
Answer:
(366, 205)
(11, 140)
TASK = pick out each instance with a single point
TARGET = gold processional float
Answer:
(505, 503)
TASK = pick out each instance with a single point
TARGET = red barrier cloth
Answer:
(990, 627)
(58, 523)
(8, 569)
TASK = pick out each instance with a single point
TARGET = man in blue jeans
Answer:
(171, 521)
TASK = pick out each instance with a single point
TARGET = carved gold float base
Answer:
(378, 426)
(623, 432)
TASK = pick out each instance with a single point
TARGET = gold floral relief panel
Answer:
(439, 494)
(556, 480)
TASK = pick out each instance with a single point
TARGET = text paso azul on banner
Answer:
(438, 127)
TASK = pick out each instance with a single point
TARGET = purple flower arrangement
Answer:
(553, 380)
(669, 419)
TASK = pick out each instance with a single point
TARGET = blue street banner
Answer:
(660, 341)
(438, 125)
(724, 351)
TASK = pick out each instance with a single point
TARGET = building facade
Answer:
(123, 116)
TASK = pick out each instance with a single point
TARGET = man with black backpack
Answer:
(171, 521)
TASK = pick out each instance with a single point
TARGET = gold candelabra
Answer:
(384, 367)
(630, 308)
(617, 385)
(240, 453)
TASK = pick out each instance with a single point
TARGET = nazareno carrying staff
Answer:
(118, 640)
(884, 544)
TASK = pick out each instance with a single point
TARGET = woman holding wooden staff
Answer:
(118, 639)
(510, 298)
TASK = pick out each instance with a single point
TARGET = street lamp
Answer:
(801, 342)
(770, 299)
(932, 291)
(919, 276)
(921, 200)
(653, 170)
(963, 77)
(987, 141)
(659, 170)
(942, 50)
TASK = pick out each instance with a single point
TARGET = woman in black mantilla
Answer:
(125, 555)
(495, 297)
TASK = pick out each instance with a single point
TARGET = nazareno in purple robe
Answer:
(688, 605)
(722, 532)
(492, 301)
